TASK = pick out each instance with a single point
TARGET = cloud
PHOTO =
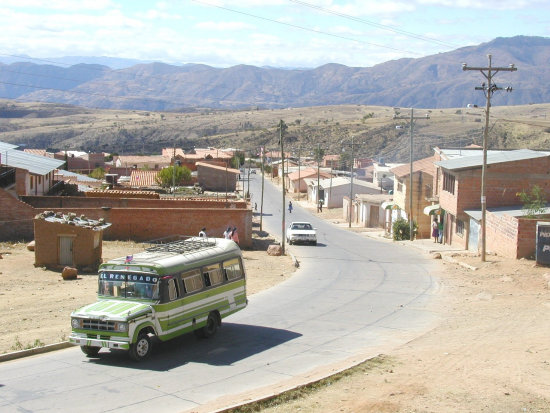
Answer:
(223, 26)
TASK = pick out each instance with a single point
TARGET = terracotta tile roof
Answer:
(143, 178)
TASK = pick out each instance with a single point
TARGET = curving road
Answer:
(353, 297)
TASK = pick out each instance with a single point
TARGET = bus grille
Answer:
(98, 325)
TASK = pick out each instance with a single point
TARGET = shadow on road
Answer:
(232, 343)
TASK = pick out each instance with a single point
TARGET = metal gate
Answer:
(66, 250)
(473, 235)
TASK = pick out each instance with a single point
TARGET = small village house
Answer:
(422, 192)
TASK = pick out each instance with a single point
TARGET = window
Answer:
(232, 269)
(399, 186)
(460, 227)
(192, 280)
(173, 292)
(448, 182)
(32, 182)
(213, 274)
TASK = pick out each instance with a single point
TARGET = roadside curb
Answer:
(33, 351)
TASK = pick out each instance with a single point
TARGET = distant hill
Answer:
(435, 81)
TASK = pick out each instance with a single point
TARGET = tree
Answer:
(98, 173)
(534, 202)
(237, 160)
(168, 176)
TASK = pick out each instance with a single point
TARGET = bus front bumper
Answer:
(87, 340)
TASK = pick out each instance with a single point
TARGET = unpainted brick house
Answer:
(458, 183)
(66, 240)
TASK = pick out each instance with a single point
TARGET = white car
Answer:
(301, 232)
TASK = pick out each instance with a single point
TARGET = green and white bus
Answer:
(165, 291)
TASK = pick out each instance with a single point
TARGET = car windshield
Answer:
(135, 286)
(301, 226)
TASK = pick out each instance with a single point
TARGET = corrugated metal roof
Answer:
(341, 181)
(476, 161)
(6, 146)
(78, 177)
(39, 165)
(513, 211)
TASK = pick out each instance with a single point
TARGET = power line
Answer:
(303, 28)
(377, 25)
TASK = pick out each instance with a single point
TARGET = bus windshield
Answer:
(127, 285)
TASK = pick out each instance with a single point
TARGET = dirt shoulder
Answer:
(36, 303)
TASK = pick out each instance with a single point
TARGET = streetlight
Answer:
(488, 90)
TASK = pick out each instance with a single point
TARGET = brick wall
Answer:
(15, 218)
(513, 237)
(145, 224)
(147, 219)
(45, 202)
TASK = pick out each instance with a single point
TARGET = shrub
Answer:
(401, 229)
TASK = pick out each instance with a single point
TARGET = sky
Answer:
(277, 33)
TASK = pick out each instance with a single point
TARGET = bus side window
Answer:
(192, 280)
(173, 292)
(213, 273)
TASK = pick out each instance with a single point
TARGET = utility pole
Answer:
(488, 89)
(174, 171)
(262, 200)
(282, 129)
(318, 174)
(411, 160)
(299, 182)
(351, 185)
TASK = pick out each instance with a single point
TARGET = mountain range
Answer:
(436, 81)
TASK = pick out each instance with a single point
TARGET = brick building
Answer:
(67, 240)
(217, 178)
(422, 192)
(458, 183)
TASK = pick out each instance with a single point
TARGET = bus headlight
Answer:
(121, 327)
(75, 323)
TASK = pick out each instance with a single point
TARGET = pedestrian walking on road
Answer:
(290, 207)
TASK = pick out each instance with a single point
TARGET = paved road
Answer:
(352, 297)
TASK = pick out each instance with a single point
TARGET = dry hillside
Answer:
(375, 130)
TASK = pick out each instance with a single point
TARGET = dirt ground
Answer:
(490, 353)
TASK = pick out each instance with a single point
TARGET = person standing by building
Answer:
(435, 231)
(202, 232)
(227, 233)
(440, 230)
(235, 235)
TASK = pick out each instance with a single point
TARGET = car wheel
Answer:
(142, 348)
(90, 351)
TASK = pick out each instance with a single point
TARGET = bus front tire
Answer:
(90, 351)
(142, 348)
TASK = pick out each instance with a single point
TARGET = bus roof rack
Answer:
(182, 246)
